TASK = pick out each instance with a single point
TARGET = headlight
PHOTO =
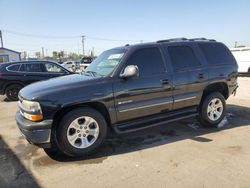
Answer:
(32, 106)
(31, 110)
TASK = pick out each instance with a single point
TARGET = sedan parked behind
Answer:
(15, 75)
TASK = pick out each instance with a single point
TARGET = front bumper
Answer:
(37, 133)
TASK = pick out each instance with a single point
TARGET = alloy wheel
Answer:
(83, 132)
(215, 109)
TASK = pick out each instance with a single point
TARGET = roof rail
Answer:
(194, 39)
(184, 39)
(126, 44)
(172, 40)
(201, 39)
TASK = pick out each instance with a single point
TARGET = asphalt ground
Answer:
(180, 154)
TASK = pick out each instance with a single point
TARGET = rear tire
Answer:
(212, 110)
(12, 92)
(81, 131)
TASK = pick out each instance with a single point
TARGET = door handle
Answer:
(200, 76)
(165, 81)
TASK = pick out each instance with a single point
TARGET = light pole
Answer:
(1, 36)
(83, 39)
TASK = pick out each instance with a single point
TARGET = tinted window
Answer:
(35, 67)
(22, 68)
(182, 57)
(148, 60)
(217, 53)
(53, 68)
(13, 67)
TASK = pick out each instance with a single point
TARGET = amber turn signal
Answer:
(33, 117)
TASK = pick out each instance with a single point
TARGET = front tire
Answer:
(212, 110)
(81, 131)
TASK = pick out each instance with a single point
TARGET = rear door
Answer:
(32, 72)
(150, 92)
(189, 75)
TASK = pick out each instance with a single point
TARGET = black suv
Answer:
(15, 75)
(126, 89)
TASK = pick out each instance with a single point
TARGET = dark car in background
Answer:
(15, 75)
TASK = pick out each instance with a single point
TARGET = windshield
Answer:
(105, 63)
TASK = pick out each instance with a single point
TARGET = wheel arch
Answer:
(98, 106)
(221, 87)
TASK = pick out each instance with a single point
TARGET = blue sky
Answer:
(224, 20)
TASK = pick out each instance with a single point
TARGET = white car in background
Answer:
(72, 65)
(68, 64)
(85, 62)
(242, 56)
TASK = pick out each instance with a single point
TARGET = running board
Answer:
(148, 122)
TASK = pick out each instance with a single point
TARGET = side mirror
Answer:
(130, 71)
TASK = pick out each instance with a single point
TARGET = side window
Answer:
(217, 53)
(31, 67)
(22, 68)
(53, 68)
(13, 67)
(148, 60)
(183, 57)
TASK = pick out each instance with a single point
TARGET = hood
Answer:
(57, 86)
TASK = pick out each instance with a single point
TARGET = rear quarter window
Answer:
(13, 67)
(217, 53)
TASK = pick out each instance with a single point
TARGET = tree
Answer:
(55, 54)
(38, 54)
(61, 54)
(73, 56)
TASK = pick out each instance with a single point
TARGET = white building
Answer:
(242, 56)
(7, 55)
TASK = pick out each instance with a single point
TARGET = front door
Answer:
(147, 94)
(53, 70)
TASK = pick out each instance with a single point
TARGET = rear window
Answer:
(13, 67)
(217, 53)
(183, 57)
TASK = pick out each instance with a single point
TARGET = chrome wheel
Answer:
(215, 109)
(83, 132)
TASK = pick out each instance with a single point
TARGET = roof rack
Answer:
(172, 40)
(184, 39)
(201, 39)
